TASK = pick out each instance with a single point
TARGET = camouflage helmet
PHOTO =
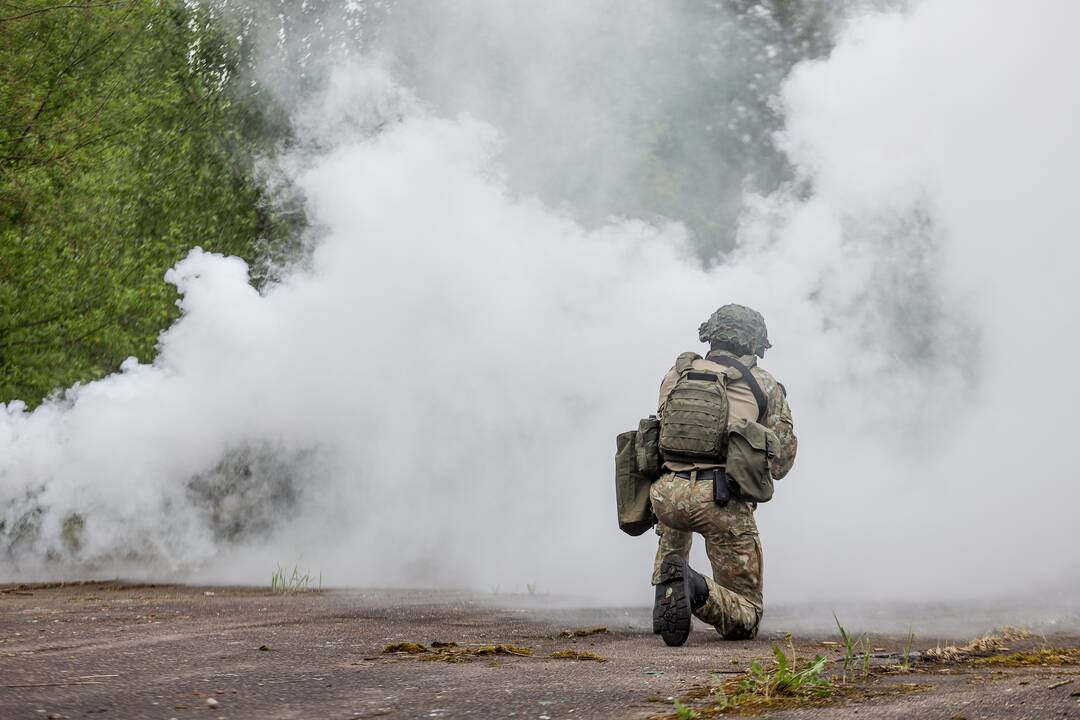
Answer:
(739, 326)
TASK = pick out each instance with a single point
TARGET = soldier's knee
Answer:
(740, 633)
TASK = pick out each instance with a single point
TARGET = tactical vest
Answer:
(694, 426)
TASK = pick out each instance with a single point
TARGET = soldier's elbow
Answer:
(778, 473)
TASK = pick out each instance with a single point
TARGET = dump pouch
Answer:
(631, 487)
(750, 449)
(648, 447)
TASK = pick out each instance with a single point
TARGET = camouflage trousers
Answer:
(684, 507)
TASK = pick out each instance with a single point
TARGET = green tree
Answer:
(123, 144)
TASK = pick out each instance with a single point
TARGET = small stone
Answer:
(265, 648)
(211, 703)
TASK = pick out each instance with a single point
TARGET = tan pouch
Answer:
(631, 487)
(648, 447)
(750, 449)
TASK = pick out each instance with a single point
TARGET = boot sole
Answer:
(671, 610)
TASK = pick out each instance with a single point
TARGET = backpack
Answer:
(695, 419)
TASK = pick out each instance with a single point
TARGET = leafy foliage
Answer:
(122, 146)
(787, 679)
(682, 712)
(130, 133)
(789, 683)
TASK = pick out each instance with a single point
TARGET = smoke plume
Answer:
(431, 398)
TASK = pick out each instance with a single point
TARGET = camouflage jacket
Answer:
(777, 416)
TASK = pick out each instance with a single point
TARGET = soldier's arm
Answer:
(779, 421)
(666, 387)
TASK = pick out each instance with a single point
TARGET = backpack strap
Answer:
(684, 361)
(755, 387)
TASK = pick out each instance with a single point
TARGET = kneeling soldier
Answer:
(706, 483)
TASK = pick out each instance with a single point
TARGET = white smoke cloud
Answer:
(433, 401)
(958, 115)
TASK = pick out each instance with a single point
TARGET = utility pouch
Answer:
(631, 487)
(721, 490)
(751, 447)
(648, 447)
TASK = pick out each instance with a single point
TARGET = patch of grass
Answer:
(576, 655)
(849, 645)
(788, 683)
(787, 679)
(905, 659)
(412, 648)
(719, 703)
(451, 652)
(501, 649)
(986, 645)
(856, 651)
(682, 712)
(1052, 656)
(582, 633)
(287, 582)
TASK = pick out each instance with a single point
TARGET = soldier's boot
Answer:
(681, 590)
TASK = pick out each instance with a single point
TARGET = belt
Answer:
(710, 474)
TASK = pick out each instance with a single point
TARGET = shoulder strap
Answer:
(684, 361)
(755, 387)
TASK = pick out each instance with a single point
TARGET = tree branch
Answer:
(70, 6)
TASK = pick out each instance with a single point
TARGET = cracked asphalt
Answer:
(122, 650)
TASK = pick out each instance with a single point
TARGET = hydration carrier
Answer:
(694, 426)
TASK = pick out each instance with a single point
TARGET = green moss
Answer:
(583, 633)
(451, 652)
(576, 655)
(1052, 656)
(500, 649)
(412, 648)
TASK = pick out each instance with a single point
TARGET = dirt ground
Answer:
(115, 650)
